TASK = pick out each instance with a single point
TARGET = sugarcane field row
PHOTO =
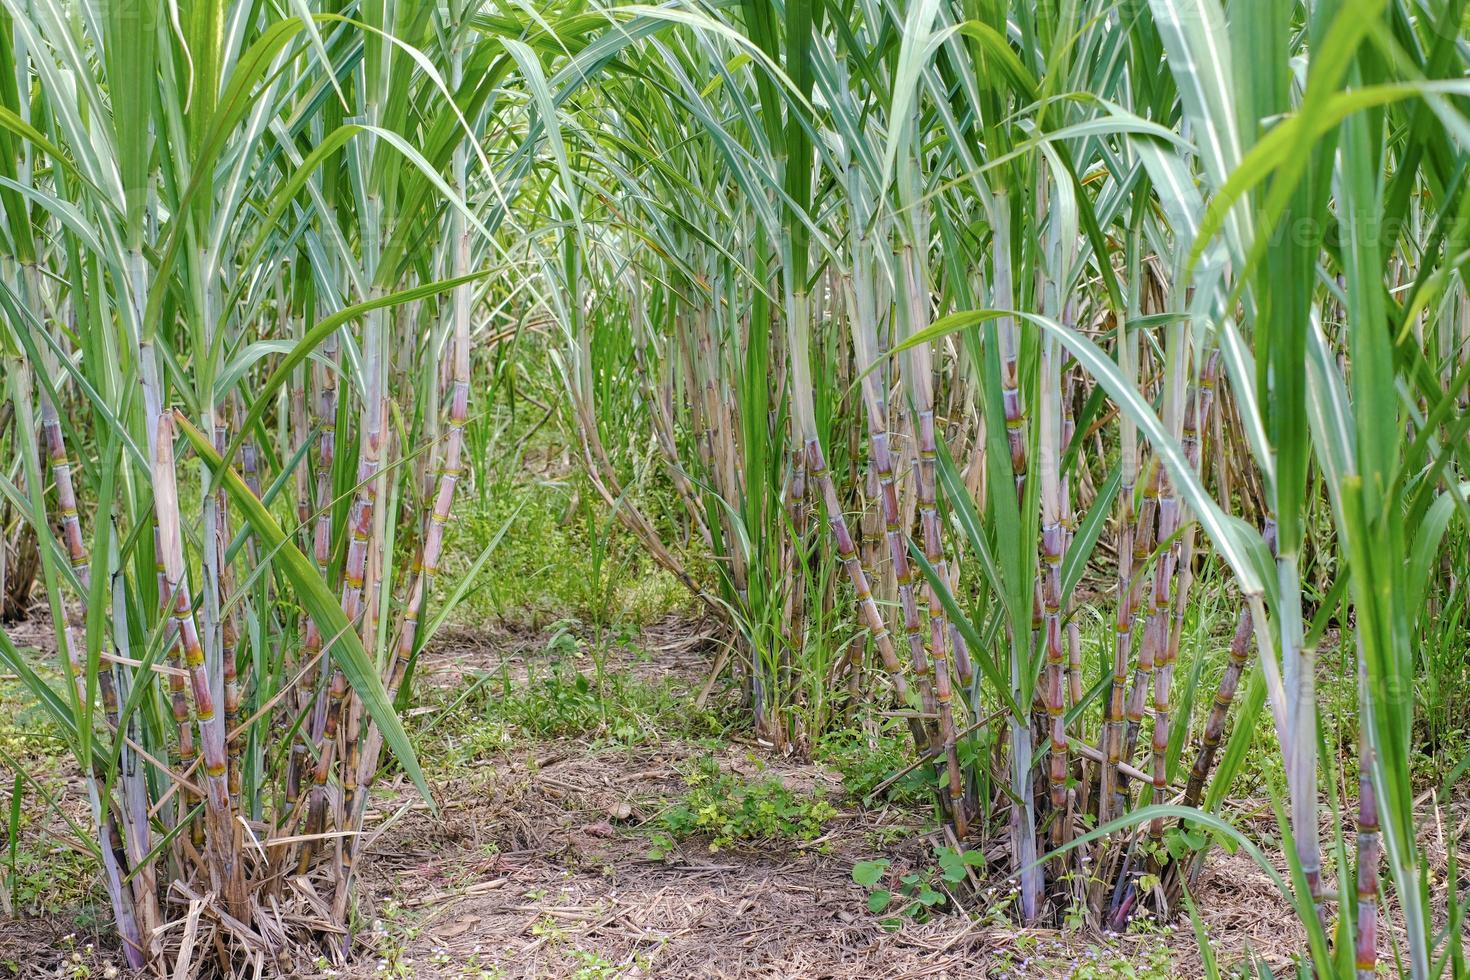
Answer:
(735, 488)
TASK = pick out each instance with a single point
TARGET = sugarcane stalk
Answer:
(1114, 717)
(659, 397)
(1069, 524)
(228, 631)
(867, 606)
(360, 527)
(1241, 649)
(1197, 413)
(1052, 438)
(1053, 534)
(1143, 543)
(1369, 838)
(113, 862)
(120, 897)
(317, 806)
(866, 340)
(352, 717)
(793, 615)
(137, 840)
(307, 701)
(1022, 823)
(211, 722)
(938, 626)
(922, 394)
(1108, 802)
(178, 697)
(1160, 619)
(123, 898)
(1236, 662)
(296, 415)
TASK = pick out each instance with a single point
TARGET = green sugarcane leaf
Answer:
(1426, 544)
(1074, 562)
(1326, 609)
(998, 49)
(250, 69)
(962, 509)
(1202, 938)
(1281, 146)
(1242, 739)
(468, 578)
(15, 799)
(1199, 818)
(164, 840)
(13, 123)
(230, 376)
(346, 647)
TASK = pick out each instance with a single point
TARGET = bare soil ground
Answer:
(562, 888)
(538, 868)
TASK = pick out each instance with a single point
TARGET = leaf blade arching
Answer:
(341, 636)
(1226, 535)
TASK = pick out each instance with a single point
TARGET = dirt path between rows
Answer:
(537, 867)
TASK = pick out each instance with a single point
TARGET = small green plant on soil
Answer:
(77, 961)
(390, 936)
(39, 871)
(594, 966)
(733, 811)
(45, 878)
(589, 964)
(913, 895)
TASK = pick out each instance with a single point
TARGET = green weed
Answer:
(899, 896)
(866, 761)
(563, 697)
(732, 811)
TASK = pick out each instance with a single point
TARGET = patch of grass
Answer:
(1442, 727)
(568, 694)
(562, 555)
(40, 873)
(733, 811)
(27, 730)
(586, 964)
(617, 707)
(50, 879)
(1146, 957)
(1149, 962)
